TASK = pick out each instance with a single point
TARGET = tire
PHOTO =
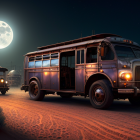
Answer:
(66, 95)
(35, 92)
(3, 92)
(134, 100)
(100, 94)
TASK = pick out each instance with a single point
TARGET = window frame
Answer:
(42, 59)
(80, 55)
(97, 54)
(112, 49)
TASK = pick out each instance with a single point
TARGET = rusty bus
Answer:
(3, 83)
(103, 67)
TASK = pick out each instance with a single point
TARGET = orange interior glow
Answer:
(88, 66)
(124, 66)
(46, 73)
(101, 71)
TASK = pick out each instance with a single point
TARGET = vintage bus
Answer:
(103, 67)
(3, 83)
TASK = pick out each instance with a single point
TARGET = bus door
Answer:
(80, 70)
(67, 70)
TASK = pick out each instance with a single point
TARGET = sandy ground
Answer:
(66, 119)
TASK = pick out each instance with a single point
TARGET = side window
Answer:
(39, 57)
(46, 60)
(46, 63)
(54, 59)
(108, 54)
(91, 56)
(38, 64)
(54, 62)
(31, 64)
(80, 56)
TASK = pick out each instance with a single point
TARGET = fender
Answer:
(35, 78)
(104, 75)
(89, 81)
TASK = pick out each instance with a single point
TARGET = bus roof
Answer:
(3, 69)
(92, 37)
(73, 43)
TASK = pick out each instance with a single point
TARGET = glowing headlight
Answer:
(126, 76)
(2, 80)
(6, 82)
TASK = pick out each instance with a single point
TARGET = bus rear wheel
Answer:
(35, 92)
(134, 100)
(100, 94)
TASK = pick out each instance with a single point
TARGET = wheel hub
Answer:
(99, 95)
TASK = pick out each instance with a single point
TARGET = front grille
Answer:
(137, 76)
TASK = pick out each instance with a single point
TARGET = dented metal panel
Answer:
(46, 80)
(54, 80)
(80, 78)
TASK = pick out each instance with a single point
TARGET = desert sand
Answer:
(67, 119)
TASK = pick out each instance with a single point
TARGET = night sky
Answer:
(37, 23)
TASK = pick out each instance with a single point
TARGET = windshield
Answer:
(137, 52)
(124, 52)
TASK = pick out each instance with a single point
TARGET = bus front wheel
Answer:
(100, 94)
(35, 92)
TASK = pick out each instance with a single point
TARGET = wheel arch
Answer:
(95, 77)
(36, 79)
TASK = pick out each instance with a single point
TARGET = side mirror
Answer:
(102, 51)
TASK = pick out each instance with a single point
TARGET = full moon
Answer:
(6, 35)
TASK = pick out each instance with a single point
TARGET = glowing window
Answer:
(38, 64)
(54, 62)
(46, 63)
(31, 64)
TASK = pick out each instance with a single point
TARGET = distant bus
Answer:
(103, 67)
(3, 83)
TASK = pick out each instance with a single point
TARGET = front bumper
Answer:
(4, 88)
(25, 87)
(134, 91)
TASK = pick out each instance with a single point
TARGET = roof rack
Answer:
(98, 36)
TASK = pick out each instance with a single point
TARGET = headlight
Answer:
(2, 80)
(126, 76)
(6, 82)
